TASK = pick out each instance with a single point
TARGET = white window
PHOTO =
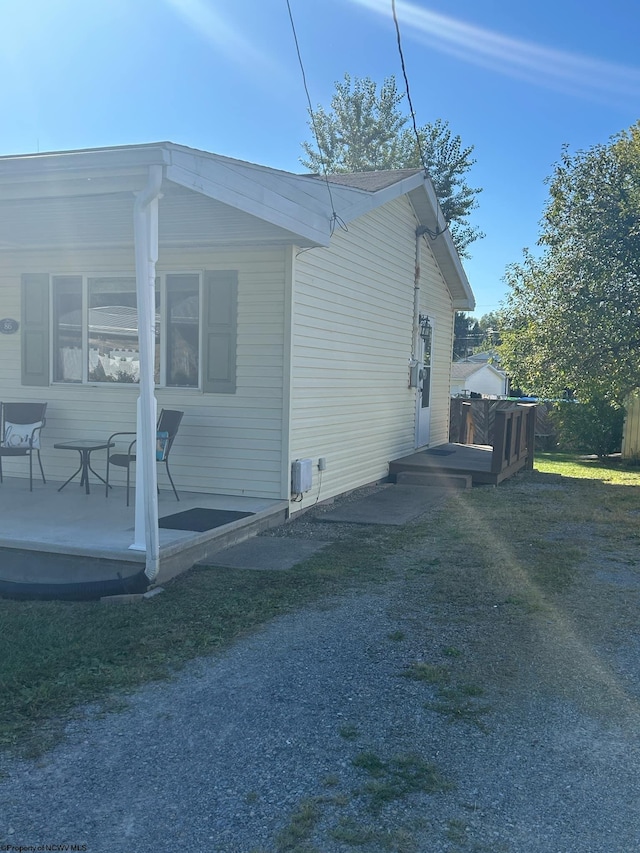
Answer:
(95, 329)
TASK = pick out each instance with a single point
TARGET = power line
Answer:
(335, 219)
(438, 231)
(406, 85)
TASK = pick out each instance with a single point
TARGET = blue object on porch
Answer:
(167, 429)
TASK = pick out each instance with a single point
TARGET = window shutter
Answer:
(35, 329)
(220, 332)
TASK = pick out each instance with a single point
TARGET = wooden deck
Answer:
(451, 460)
(512, 450)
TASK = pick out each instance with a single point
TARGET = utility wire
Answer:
(335, 219)
(406, 85)
(430, 232)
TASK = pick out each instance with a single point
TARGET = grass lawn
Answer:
(56, 655)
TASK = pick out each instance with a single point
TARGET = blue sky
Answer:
(517, 80)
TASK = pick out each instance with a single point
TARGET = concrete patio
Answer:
(71, 538)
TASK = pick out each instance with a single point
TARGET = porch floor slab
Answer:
(69, 537)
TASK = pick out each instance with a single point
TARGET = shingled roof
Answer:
(370, 181)
(464, 369)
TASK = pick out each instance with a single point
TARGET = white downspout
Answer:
(145, 222)
(415, 343)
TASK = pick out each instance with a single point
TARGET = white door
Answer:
(423, 397)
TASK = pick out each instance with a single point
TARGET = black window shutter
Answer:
(220, 332)
(35, 329)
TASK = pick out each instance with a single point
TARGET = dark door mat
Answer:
(266, 553)
(200, 519)
(437, 452)
(394, 505)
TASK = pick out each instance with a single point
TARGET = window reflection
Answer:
(67, 329)
(183, 340)
(95, 330)
(113, 347)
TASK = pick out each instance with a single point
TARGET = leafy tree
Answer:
(572, 318)
(467, 335)
(490, 325)
(591, 427)
(364, 130)
(471, 335)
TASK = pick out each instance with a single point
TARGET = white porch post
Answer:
(146, 536)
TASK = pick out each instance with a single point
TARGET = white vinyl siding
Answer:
(353, 309)
(352, 340)
(227, 443)
(435, 301)
(10, 359)
(323, 348)
(185, 219)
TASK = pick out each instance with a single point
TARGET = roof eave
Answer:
(109, 170)
(425, 203)
(427, 208)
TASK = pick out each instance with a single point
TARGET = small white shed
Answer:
(478, 378)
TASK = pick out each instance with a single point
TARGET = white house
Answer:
(290, 317)
(479, 378)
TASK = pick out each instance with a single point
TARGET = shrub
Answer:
(593, 426)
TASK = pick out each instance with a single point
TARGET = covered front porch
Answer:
(72, 545)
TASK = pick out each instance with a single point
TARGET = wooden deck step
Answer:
(434, 479)
(448, 460)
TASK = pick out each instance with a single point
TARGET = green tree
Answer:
(490, 325)
(467, 335)
(572, 317)
(471, 335)
(592, 427)
(364, 130)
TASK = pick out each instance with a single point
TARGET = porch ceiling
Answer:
(248, 200)
(186, 218)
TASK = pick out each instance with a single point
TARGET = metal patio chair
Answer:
(20, 428)
(166, 431)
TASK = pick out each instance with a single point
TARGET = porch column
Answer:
(145, 222)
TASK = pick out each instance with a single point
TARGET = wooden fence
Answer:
(473, 422)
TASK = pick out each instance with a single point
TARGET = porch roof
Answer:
(85, 197)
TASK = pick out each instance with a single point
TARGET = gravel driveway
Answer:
(401, 717)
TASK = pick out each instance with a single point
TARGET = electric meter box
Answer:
(301, 476)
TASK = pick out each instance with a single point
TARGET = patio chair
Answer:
(20, 427)
(167, 429)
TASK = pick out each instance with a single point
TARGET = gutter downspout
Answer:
(145, 225)
(415, 343)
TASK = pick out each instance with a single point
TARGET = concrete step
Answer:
(427, 478)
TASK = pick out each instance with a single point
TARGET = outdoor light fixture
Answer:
(425, 326)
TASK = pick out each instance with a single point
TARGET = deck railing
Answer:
(514, 437)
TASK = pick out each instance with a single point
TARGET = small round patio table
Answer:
(85, 447)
